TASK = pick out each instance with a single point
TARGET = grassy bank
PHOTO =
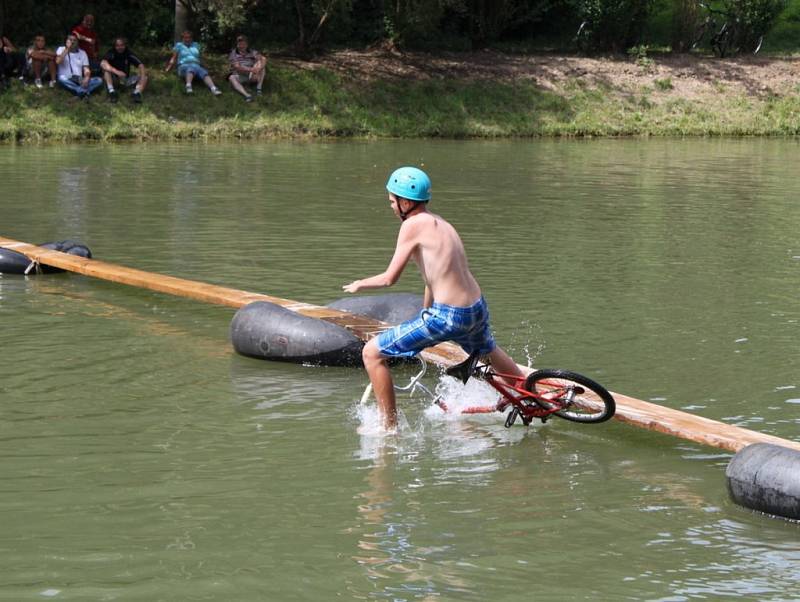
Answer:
(421, 96)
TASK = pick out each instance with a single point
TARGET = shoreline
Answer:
(491, 95)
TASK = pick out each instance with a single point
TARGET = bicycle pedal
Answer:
(512, 418)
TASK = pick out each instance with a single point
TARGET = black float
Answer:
(766, 478)
(12, 262)
(267, 331)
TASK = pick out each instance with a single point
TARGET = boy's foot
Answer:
(137, 96)
(216, 91)
(248, 98)
(189, 89)
(52, 84)
(113, 96)
(38, 84)
(258, 91)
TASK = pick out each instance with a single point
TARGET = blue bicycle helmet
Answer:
(410, 183)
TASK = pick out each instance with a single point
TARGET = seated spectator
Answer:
(187, 54)
(89, 42)
(12, 62)
(247, 67)
(74, 73)
(41, 61)
(116, 66)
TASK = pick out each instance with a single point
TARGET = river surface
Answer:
(142, 459)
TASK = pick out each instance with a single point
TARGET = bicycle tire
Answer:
(588, 395)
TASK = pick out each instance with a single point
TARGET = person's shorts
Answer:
(245, 78)
(198, 71)
(126, 82)
(466, 326)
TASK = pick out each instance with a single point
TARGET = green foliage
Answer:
(664, 85)
(639, 55)
(143, 22)
(615, 24)
(685, 20)
(754, 19)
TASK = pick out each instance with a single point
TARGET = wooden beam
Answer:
(632, 411)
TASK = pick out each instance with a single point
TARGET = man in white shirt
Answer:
(74, 72)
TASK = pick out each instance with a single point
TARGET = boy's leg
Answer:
(381, 379)
(37, 68)
(503, 363)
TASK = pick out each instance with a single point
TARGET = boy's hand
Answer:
(353, 287)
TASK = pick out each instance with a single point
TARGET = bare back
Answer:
(442, 260)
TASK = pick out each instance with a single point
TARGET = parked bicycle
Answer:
(725, 39)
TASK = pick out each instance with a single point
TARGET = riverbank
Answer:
(456, 95)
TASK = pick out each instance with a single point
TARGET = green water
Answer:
(141, 459)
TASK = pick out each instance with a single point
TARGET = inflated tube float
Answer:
(12, 262)
(766, 478)
(267, 331)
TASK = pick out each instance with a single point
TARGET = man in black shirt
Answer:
(116, 66)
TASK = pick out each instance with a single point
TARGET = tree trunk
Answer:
(181, 18)
(301, 29)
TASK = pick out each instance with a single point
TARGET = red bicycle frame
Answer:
(511, 394)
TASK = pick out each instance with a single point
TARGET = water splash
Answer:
(523, 340)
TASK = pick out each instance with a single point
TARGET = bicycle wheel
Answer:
(580, 398)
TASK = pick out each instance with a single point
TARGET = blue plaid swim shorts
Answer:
(466, 326)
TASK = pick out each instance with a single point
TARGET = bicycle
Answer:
(541, 394)
(583, 37)
(725, 40)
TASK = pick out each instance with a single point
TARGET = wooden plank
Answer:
(629, 410)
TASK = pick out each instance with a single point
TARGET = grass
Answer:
(320, 103)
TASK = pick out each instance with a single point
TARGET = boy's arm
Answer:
(406, 243)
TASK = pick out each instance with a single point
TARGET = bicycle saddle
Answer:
(463, 370)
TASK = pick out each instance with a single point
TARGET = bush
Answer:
(614, 24)
(754, 19)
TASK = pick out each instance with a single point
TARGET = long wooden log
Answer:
(629, 410)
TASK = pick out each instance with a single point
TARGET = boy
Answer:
(454, 308)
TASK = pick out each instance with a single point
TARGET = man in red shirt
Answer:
(88, 41)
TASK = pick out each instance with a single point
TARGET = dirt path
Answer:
(687, 76)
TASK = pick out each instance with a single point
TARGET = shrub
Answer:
(615, 24)
(754, 18)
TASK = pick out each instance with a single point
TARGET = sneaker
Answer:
(216, 91)
(113, 96)
(248, 98)
(52, 84)
(189, 90)
(137, 96)
(38, 84)
(258, 91)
